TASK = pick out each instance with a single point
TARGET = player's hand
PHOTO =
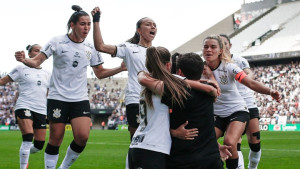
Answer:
(224, 152)
(184, 134)
(20, 56)
(275, 95)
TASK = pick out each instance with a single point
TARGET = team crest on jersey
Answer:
(88, 54)
(223, 80)
(27, 113)
(56, 113)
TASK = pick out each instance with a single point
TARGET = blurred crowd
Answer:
(284, 78)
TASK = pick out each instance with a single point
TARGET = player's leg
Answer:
(80, 121)
(132, 112)
(24, 120)
(57, 115)
(253, 135)
(234, 131)
(39, 129)
(241, 157)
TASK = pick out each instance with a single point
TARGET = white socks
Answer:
(254, 158)
(69, 159)
(50, 161)
(241, 160)
(24, 154)
(127, 165)
(33, 149)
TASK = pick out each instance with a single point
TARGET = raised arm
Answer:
(101, 72)
(98, 40)
(203, 87)
(260, 88)
(5, 80)
(30, 62)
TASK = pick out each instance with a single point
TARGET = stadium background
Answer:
(266, 33)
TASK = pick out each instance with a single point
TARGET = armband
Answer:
(96, 17)
(240, 76)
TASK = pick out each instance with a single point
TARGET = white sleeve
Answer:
(233, 69)
(50, 48)
(15, 73)
(121, 50)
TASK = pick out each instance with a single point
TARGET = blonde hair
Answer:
(225, 55)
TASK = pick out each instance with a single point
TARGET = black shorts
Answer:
(222, 123)
(146, 159)
(132, 113)
(254, 113)
(63, 112)
(39, 120)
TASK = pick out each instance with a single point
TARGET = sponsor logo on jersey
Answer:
(77, 55)
(135, 52)
(75, 64)
(27, 113)
(39, 82)
(64, 51)
(56, 113)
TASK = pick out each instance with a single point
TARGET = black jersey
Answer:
(198, 110)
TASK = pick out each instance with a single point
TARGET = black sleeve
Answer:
(167, 97)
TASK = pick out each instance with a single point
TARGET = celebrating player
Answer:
(68, 98)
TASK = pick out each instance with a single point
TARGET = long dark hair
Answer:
(76, 15)
(156, 58)
(136, 37)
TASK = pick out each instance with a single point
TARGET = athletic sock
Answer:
(241, 157)
(254, 158)
(232, 163)
(127, 163)
(24, 154)
(72, 154)
(51, 156)
(37, 146)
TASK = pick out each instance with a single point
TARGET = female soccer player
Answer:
(230, 108)
(30, 110)
(152, 142)
(68, 98)
(133, 52)
(252, 131)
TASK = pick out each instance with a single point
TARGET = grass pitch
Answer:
(107, 149)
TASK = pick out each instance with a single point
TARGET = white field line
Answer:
(270, 149)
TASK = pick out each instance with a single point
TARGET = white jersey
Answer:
(70, 60)
(153, 132)
(230, 100)
(33, 86)
(134, 57)
(245, 92)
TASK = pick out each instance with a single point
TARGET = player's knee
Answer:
(230, 142)
(255, 147)
(38, 144)
(256, 135)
